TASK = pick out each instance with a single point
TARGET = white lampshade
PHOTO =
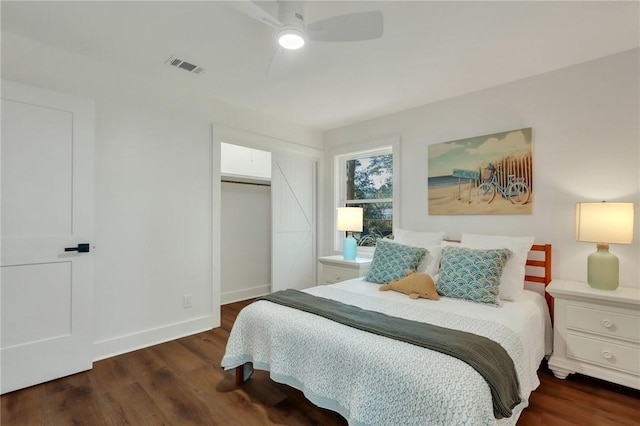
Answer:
(350, 219)
(604, 222)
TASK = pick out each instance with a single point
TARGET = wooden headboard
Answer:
(539, 262)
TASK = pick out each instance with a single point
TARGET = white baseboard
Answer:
(244, 294)
(132, 342)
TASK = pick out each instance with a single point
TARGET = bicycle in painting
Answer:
(516, 190)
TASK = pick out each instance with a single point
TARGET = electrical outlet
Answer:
(186, 301)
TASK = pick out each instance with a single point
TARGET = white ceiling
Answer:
(429, 51)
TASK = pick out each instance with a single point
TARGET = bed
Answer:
(370, 379)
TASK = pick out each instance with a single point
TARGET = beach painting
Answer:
(482, 175)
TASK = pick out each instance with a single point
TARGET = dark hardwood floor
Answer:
(181, 383)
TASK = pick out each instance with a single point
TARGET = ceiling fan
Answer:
(288, 19)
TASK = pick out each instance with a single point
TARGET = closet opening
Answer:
(245, 223)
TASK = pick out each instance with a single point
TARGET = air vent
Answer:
(179, 63)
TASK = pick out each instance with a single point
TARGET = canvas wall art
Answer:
(485, 175)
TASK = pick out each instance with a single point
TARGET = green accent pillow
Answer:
(392, 260)
(472, 274)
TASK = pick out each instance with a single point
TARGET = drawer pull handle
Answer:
(607, 354)
(607, 323)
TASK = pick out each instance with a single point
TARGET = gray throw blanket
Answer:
(487, 357)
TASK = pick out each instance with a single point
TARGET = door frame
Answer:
(266, 143)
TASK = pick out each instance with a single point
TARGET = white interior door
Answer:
(293, 206)
(47, 206)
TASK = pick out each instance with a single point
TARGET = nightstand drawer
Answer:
(607, 354)
(608, 323)
(334, 275)
(334, 269)
(596, 332)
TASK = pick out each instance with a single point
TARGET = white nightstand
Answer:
(334, 269)
(596, 332)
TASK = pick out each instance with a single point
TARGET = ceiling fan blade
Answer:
(351, 27)
(254, 10)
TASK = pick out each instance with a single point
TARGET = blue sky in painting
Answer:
(470, 153)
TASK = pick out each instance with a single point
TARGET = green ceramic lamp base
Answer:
(603, 269)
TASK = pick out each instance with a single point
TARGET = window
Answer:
(365, 179)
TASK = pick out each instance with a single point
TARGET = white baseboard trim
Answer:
(122, 344)
(244, 294)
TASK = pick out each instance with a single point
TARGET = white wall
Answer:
(586, 135)
(157, 192)
(240, 161)
(153, 227)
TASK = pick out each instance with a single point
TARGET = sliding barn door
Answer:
(293, 204)
(47, 206)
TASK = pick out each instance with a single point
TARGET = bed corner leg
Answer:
(240, 375)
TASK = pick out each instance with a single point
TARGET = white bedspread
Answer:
(373, 380)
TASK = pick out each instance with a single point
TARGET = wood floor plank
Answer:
(229, 403)
(168, 390)
(178, 358)
(74, 401)
(30, 408)
(181, 383)
(111, 374)
(132, 405)
(580, 401)
(288, 405)
(208, 346)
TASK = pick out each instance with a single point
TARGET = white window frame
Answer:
(389, 145)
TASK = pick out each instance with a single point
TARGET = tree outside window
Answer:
(369, 184)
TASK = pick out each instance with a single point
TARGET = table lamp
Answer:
(604, 223)
(349, 220)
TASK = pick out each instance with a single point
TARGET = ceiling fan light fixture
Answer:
(291, 38)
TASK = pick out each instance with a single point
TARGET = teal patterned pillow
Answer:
(472, 274)
(392, 260)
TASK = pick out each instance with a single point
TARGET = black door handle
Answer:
(82, 248)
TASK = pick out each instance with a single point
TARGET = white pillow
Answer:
(445, 243)
(427, 240)
(417, 239)
(430, 262)
(512, 279)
